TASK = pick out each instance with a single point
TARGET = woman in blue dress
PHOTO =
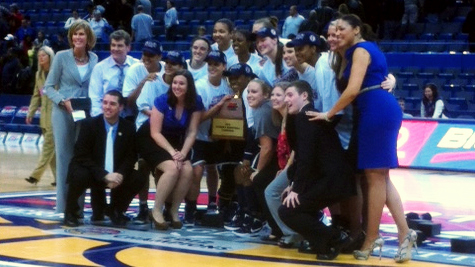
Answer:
(165, 142)
(378, 123)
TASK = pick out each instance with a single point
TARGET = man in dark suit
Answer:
(95, 154)
(320, 176)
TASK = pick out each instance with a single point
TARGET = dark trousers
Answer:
(305, 220)
(81, 178)
(259, 184)
(171, 33)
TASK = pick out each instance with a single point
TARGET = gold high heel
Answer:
(365, 253)
(404, 252)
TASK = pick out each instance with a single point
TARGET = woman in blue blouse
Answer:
(166, 141)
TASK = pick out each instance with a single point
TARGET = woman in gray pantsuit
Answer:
(70, 72)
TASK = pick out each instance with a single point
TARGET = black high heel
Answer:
(31, 180)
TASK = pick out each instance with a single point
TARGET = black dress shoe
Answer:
(354, 244)
(70, 220)
(307, 247)
(53, 183)
(282, 243)
(335, 247)
(31, 180)
(118, 218)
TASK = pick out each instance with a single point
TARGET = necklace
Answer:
(80, 60)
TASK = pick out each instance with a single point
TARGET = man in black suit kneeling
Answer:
(104, 156)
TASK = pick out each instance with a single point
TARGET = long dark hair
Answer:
(365, 29)
(435, 93)
(190, 95)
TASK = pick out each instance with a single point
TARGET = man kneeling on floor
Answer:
(104, 156)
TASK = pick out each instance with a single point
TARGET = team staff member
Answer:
(70, 75)
(110, 72)
(104, 156)
(320, 176)
(45, 58)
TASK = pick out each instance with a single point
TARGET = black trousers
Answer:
(305, 220)
(81, 178)
(259, 184)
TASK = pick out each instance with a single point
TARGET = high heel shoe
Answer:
(158, 225)
(404, 251)
(31, 180)
(365, 253)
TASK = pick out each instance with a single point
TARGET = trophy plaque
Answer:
(229, 124)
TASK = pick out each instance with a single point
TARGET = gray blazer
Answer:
(65, 74)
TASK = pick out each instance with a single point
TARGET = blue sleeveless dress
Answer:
(379, 116)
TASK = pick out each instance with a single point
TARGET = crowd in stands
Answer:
(314, 95)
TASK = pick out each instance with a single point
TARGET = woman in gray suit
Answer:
(70, 73)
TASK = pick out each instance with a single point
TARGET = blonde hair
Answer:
(266, 89)
(50, 53)
(82, 24)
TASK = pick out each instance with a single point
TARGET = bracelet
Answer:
(325, 117)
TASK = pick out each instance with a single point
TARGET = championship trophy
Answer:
(229, 124)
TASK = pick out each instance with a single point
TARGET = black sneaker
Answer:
(229, 212)
(142, 217)
(250, 230)
(212, 208)
(189, 219)
(237, 221)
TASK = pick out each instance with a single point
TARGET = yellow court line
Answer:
(68, 250)
(145, 257)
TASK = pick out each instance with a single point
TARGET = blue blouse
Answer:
(171, 125)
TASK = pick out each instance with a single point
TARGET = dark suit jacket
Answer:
(90, 147)
(321, 171)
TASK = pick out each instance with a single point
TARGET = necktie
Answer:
(121, 76)
(109, 162)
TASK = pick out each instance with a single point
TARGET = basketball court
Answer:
(31, 233)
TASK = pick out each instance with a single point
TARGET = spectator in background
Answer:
(393, 10)
(201, 31)
(11, 67)
(60, 43)
(15, 18)
(24, 30)
(40, 41)
(411, 13)
(310, 24)
(125, 14)
(171, 21)
(98, 25)
(39, 99)
(71, 20)
(432, 105)
(141, 26)
(292, 23)
(324, 15)
(146, 4)
(402, 104)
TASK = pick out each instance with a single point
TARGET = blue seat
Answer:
(201, 15)
(260, 14)
(187, 15)
(436, 47)
(231, 14)
(215, 15)
(457, 47)
(460, 102)
(446, 36)
(246, 15)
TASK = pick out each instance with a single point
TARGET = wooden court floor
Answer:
(31, 233)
